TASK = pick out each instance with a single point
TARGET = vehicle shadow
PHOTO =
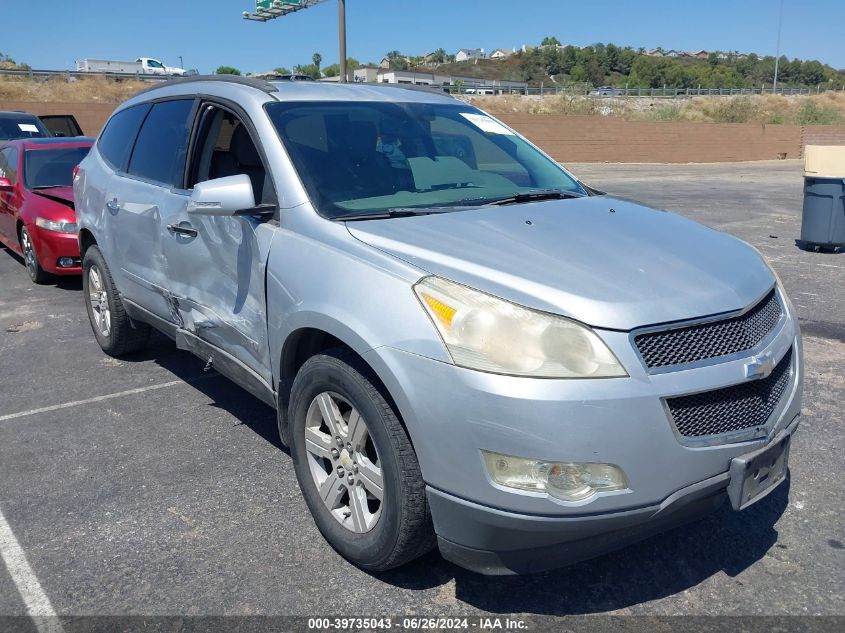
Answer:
(223, 393)
(666, 564)
(725, 542)
(72, 284)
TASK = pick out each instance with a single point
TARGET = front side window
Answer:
(159, 152)
(224, 147)
(116, 141)
(47, 168)
(367, 157)
(9, 164)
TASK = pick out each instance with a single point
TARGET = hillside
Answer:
(608, 64)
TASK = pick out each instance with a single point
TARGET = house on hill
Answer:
(500, 53)
(469, 53)
(702, 54)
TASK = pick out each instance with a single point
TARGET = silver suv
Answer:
(466, 346)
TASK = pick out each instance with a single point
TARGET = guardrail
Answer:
(666, 92)
(75, 74)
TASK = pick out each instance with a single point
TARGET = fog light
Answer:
(68, 262)
(568, 481)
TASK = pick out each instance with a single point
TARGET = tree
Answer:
(308, 69)
(317, 59)
(594, 72)
(439, 56)
(227, 70)
(569, 57)
(550, 41)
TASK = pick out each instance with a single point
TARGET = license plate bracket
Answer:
(755, 475)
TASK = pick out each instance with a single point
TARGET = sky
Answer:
(211, 33)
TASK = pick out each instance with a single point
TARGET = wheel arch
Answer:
(308, 341)
(86, 241)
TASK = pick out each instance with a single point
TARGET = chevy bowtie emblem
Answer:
(760, 366)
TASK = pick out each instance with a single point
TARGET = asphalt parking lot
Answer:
(146, 486)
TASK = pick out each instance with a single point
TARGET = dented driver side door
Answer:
(216, 265)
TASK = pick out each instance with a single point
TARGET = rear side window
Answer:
(162, 143)
(115, 142)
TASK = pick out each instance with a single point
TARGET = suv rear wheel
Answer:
(113, 329)
(355, 464)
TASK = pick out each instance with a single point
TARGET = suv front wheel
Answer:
(113, 329)
(355, 464)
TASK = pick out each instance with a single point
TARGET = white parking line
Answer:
(111, 396)
(37, 603)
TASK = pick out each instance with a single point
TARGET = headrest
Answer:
(243, 149)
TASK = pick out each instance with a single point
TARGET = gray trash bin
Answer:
(823, 219)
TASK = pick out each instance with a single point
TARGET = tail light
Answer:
(75, 172)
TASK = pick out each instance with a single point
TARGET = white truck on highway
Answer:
(141, 66)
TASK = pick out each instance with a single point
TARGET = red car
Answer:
(37, 217)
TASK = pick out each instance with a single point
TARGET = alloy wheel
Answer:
(343, 462)
(99, 299)
(29, 253)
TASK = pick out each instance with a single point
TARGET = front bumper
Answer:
(453, 413)
(495, 542)
(51, 246)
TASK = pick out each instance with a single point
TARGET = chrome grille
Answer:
(712, 339)
(744, 406)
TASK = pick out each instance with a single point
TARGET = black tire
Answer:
(123, 336)
(33, 265)
(404, 530)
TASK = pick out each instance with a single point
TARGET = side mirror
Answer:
(6, 185)
(231, 195)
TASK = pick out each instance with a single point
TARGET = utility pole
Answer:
(777, 55)
(181, 63)
(341, 36)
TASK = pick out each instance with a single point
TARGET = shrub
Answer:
(811, 113)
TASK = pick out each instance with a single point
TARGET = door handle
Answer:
(181, 229)
(113, 205)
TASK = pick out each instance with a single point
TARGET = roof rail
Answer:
(259, 84)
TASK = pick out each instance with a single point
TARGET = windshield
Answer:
(52, 167)
(12, 127)
(367, 157)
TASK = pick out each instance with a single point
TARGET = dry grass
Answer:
(93, 90)
(824, 109)
(828, 108)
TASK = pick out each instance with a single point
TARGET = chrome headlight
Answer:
(489, 334)
(54, 225)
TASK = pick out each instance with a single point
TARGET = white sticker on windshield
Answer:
(28, 127)
(486, 124)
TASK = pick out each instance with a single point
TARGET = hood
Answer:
(62, 195)
(603, 261)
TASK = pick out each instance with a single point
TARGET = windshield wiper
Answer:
(533, 196)
(48, 187)
(399, 212)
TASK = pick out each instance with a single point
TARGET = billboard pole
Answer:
(341, 34)
(266, 10)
